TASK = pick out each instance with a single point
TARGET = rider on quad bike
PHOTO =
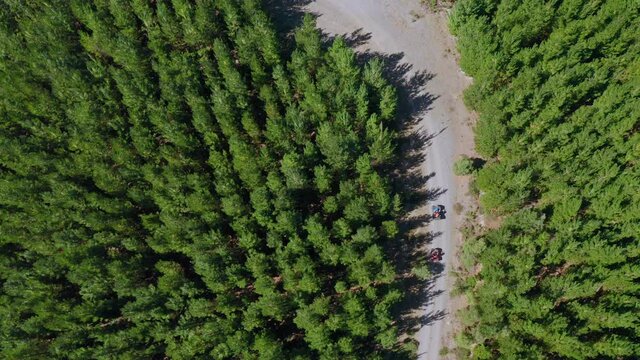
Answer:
(436, 254)
(438, 211)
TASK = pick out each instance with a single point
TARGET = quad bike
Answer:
(435, 254)
(438, 211)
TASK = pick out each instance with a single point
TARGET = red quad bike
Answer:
(435, 255)
(438, 211)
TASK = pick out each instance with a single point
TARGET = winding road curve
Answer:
(403, 26)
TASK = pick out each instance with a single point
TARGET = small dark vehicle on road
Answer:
(438, 211)
(435, 254)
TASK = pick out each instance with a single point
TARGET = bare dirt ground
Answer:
(404, 32)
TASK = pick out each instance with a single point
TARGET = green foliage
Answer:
(422, 271)
(556, 85)
(172, 186)
(464, 166)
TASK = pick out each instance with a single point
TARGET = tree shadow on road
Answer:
(409, 180)
(412, 183)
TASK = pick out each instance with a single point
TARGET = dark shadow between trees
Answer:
(286, 16)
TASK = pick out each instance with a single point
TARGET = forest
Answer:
(557, 89)
(174, 184)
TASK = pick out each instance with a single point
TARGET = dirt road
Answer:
(403, 26)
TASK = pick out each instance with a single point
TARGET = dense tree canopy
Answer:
(172, 185)
(557, 87)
